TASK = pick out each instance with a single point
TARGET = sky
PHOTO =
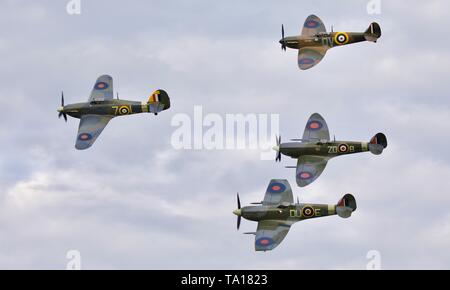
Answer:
(133, 201)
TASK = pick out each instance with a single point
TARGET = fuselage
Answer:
(291, 213)
(327, 40)
(107, 108)
(326, 149)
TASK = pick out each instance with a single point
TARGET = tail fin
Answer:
(373, 32)
(378, 143)
(159, 100)
(346, 206)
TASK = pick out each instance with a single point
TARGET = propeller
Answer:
(238, 212)
(283, 44)
(278, 149)
(61, 111)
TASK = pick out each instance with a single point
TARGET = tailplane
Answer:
(373, 32)
(346, 206)
(378, 143)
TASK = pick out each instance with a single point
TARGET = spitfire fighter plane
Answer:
(101, 107)
(314, 41)
(278, 212)
(315, 149)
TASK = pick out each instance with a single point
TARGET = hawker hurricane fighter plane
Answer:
(101, 107)
(314, 41)
(278, 212)
(315, 149)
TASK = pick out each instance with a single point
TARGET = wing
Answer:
(309, 168)
(313, 25)
(309, 57)
(270, 234)
(103, 89)
(316, 129)
(278, 192)
(89, 129)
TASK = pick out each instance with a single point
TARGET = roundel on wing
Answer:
(101, 86)
(312, 24)
(264, 242)
(306, 61)
(305, 175)
(315, 125)
(277, 187)
(85, 137)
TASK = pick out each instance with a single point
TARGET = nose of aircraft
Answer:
(276, 148)
(238, 212)
(60, 109)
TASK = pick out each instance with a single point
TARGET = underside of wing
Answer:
(89, 129)
(103, 89)
(313, 25)
(309, 57)
(278, 192)
(270, 234)
(316, 129)
(309, 168)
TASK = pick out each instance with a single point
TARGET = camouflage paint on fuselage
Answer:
(328, 149)
(292, 213)
(111, 108)
(327, 40)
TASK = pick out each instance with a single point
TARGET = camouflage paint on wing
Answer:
(308, 57)
(270, 234)
(316, 129)
(89, 129)
(312, 26)
(309, 168)
(102, 90)
(278, 192)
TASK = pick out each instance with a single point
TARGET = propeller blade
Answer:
(238, 201)
(278, 158)
(62, 99)
(238, 222)
(65, 117)
(283, 44)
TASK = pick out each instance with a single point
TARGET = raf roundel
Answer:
(101, 86)
(308, 211)
(341, 38)
(312, 24)
(85, 137)
(315, 125)
(264, 242)
(343, 148)
(306, 61)
(305, 175)
(276, 187)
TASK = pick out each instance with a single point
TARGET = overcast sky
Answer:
(132, 201)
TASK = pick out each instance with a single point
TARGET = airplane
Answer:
(278, 212)
(314, 41)
(101, 107)
(315, 149)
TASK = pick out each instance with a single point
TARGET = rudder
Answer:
(373, 32)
